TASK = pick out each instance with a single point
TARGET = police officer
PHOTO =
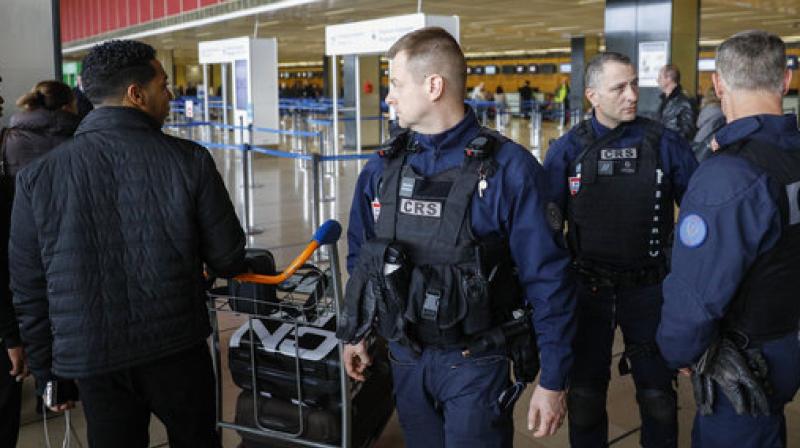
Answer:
(617, 177)
(730, 303)
(457, 212)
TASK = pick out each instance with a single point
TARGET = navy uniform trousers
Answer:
(637, 311)
(447, 400)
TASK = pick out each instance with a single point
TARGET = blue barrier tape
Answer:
(278, 153)
(284, 154)
(226, 126)
(231, 126)
(212, 145)
(188, 125)
(328, 122)
(287, 132)
(348, 157)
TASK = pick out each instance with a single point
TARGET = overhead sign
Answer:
(378, 35)
(223, 51)
(652, 56)
(706, 65)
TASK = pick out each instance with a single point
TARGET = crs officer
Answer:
(730, 303)
(617, 176)
(459, 216)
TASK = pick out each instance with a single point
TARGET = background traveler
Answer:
(47, 117)
(709, 121)
(675, 112)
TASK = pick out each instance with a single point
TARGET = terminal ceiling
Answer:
(496, 27)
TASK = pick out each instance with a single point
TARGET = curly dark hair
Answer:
(112, 66)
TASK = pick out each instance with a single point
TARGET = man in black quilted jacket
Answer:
(109, 235)
(675, 111)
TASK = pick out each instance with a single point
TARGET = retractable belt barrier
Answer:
(247, 148)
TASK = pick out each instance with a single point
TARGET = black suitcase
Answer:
(275, 361)
(372, 406)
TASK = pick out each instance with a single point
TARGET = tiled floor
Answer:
(282, 208)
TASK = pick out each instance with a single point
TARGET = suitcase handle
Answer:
(328, 233)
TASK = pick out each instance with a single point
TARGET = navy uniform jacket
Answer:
(514, 206)
(738, 219)
(677, 160)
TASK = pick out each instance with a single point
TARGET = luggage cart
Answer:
(275, 330)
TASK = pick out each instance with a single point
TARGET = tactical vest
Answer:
(766, 305)
(458, 285)
(617, 199)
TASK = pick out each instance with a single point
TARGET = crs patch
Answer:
(618, 154)
(692, 231)
(415, 207)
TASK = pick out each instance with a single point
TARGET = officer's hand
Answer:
(356, 360)
(546, 411)
(19, 363)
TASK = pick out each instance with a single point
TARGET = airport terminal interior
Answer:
(288, 96)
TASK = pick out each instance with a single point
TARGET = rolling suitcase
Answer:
(372, 406)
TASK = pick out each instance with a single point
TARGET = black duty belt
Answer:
(745, 340)
(601, 276)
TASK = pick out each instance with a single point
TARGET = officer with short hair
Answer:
(449, 237)
(617, 177)
(730, 308)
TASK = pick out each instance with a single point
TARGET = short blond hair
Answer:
(433, 50)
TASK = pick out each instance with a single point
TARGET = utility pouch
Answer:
(475, 290)
(519, 341)
(525, 357)
(435, 298)
(522, 347)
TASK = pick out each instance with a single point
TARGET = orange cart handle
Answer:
(328, 233)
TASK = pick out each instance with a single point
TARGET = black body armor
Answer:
(766, 305)
(425, 280)
(616, 210)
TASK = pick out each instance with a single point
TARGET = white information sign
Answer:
(188, 109)
(222, 51)
(652, 56)
(377, 36)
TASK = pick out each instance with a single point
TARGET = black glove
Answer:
(741, 381)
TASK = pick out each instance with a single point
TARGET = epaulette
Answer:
(484, 144)
(397, 144)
